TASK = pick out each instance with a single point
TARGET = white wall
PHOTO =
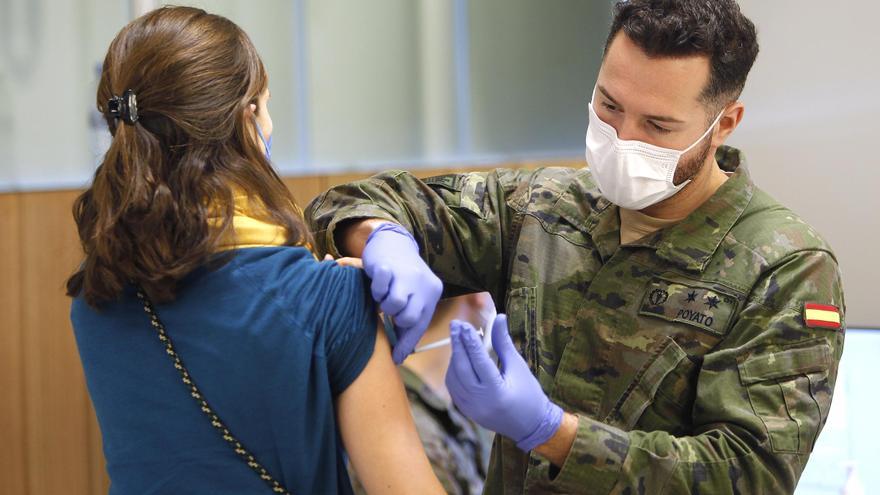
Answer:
(533, 65)
(48, 53)
(364, 84)
(811, 129)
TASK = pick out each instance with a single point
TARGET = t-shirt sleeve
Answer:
(349, 325)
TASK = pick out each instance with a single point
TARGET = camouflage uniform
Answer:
(453, 443)
(685, 355)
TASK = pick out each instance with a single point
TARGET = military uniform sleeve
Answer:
(462, 222)
(436, 442)
(763, 396)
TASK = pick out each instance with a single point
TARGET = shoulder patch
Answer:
(821, 316)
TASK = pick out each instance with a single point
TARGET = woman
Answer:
(220, 356)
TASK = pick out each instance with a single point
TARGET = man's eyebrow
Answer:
(659, 118)
(662, 118)
(607, 95)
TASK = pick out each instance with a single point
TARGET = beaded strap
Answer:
(196, 394)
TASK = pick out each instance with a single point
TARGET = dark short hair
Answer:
(677, 28)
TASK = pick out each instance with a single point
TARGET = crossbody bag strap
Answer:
(197, 395)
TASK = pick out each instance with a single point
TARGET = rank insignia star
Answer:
(692, 296)
(712, 302)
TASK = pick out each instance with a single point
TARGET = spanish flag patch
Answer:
(821, 316)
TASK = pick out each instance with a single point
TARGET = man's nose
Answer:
(629, 130)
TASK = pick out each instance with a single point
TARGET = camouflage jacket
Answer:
(686, 355)
(453, 443)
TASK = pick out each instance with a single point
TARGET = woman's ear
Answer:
(253, 108)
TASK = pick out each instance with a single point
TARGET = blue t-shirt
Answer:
(271, 338)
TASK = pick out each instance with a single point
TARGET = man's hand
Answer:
(402, 283)
(507, 400)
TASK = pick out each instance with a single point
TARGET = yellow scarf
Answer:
(247, 229)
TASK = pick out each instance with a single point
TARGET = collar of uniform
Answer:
(691, 243)
(587, 210)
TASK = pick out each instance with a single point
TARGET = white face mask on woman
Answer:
(632, 174)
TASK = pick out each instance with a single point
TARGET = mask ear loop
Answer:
(698, 141)
(266, 144)
(708, 132)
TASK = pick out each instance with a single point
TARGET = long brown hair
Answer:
(145, 218)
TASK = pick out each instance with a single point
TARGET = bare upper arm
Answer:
(378, 430)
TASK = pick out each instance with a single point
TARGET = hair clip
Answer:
(124, 107)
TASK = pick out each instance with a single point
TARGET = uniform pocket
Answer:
(522, 324)
(470, 188)
(642, 392)
(782, 387)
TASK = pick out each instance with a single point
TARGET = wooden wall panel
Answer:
(335, 180)
(305, 189)
(98, 479)
(12, 413)
(55, 395)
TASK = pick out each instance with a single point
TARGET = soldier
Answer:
(672, 328)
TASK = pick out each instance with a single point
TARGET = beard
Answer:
(688, 168)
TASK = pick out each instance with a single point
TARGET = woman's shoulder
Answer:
(332, 301)
(292, 268)
(298, 280)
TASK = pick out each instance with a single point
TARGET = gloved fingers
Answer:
(485, 369)
(456, 388)
(433, 289)
(465, 403)
(407, 338)
(425, 317)
(419, 310)
(398, 297)
(460, 362)
(380, 282)
(411, 314)
(502, 343)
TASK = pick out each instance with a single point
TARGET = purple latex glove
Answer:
(402, 283)
(507, 400)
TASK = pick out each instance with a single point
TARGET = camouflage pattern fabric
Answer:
(453, 443)
(685, 355)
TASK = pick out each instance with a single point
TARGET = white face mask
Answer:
(632, 174)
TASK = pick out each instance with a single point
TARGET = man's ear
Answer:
(733, 115)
